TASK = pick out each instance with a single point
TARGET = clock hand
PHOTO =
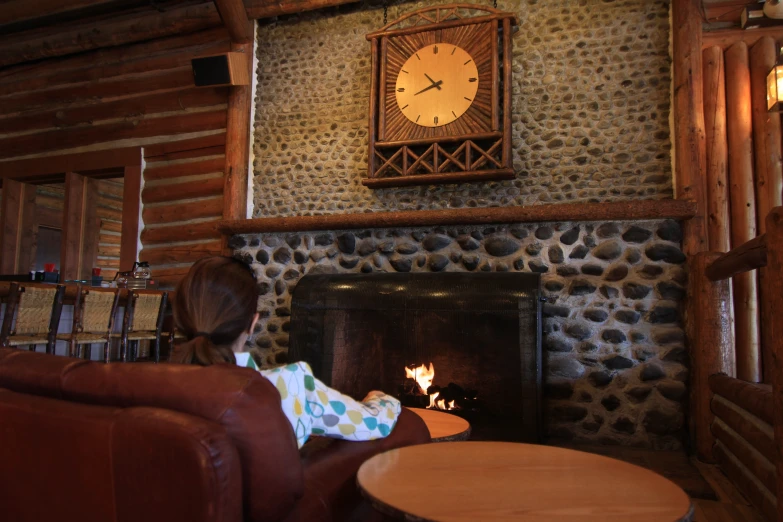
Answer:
(433, 81)
(433, 86)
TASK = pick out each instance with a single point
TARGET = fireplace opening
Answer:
(469, 344)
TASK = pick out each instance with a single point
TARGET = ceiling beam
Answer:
(137, 26)
(268, 8)
(235, 19)
(15, 11)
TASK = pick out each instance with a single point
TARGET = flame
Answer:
(451, 405)
(422, 375)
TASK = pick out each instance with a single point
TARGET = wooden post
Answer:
(768, 175)
(743, 207)
(91, 229)
(689, 139)
(29, 230)
(73, 227)
(711, 349)
(11, 214)
(131, 213)
(717, 152)
(235, 19)
(238, 145)
(774, 226)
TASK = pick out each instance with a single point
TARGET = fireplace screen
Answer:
(479, 333)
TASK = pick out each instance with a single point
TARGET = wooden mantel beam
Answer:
(235, 19)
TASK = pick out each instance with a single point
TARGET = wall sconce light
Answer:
(775, 86)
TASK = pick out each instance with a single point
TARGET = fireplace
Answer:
(480, 332)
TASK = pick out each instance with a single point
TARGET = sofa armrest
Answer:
(330, 468)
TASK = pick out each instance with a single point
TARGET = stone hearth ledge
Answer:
(575, 212)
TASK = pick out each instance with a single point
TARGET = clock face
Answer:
(436, 85)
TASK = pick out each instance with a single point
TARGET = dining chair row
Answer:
(33, 312)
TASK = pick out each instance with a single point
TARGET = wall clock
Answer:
(440, 97)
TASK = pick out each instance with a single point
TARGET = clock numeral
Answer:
(404, 107)
(467, 98)
(436, 120)
(471, 80)
(452, 112)
(417, 118)
(417, 56)
(467, 62)
(435, 50)
(454, 50)
(403, 70)
(401, 89)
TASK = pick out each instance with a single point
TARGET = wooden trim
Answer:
(446, 177)
(711, 346)
(438, 139)
(90, 230)
(121, 30)
(234, 17)
(237, 145)
(614, 211)
(746, 257)
(496, 15)
(21, 170)
(266, 9)
(73, 226)
(10, 229)
(728, 37)
(689, 135)
(752, 397)
(131, 208)
(507, 88)
(372, 127)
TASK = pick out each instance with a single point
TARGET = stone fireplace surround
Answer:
(613, 343)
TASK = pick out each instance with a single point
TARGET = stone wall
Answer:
(590, 109)
(613, 340)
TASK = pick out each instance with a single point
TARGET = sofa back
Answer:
(218, 408)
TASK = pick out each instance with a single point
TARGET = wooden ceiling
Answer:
(33, 30)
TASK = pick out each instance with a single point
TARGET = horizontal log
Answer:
(614, 211)
(16, 11)
(753, 397)
(120, 30)
(109, 239)
(49, 217)
(109, 251)
(131, 108)
(176, 191)
(68, 138)
(195, 209)
(114, 61)
(77, 162)
(190, 148)
(267, 9)
(109, 213)
(744, 258)
(447, 177)
(759, 466)
(111, 226)
(111, 189)
(92, 93)
(49, 202)
(758, 433)
(103, 201)
(191, 168)
(112, 263)
(169, 277)
(180, 232)
(724, 38)
(179, 253)
(744, 480)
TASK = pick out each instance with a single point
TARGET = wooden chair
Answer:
(32, 315)
(93, 321)
(143, 321)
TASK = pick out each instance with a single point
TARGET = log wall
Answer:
(134, 95)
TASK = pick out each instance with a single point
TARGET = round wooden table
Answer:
(492, 481)
(444, 427)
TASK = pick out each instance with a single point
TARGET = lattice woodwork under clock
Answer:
(474, 147)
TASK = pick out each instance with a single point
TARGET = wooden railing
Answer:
(735, 423)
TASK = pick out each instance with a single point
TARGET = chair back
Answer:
(98, 307)
(34, 309)
(147, 310)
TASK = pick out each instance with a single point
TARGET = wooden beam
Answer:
(121, 30)
(614, 211)
(746, 257)
(177, 191)
(21, 170)
(743, 207)
(10, 231)
(73, 227)
(727, 37)
(235, 19)
(131, 208)
(91, 229)
(268, 8)
(689, 136)
(174, 212)
(174, 233)
(171, 150)
(29, 230)
(711, 347)
(200, 166)
(15, 11)
(237, 146)
(717, 149)
(180, 253)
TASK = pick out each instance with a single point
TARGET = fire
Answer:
(424, 377)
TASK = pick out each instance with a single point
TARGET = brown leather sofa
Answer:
(83, 441)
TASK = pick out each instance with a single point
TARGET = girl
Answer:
(215, 308)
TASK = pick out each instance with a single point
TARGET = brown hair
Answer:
(214, 304)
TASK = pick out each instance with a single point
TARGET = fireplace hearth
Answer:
(481, 333)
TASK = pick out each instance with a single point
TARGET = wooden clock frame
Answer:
(474, 147)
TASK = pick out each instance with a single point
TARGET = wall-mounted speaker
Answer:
(222, 69)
